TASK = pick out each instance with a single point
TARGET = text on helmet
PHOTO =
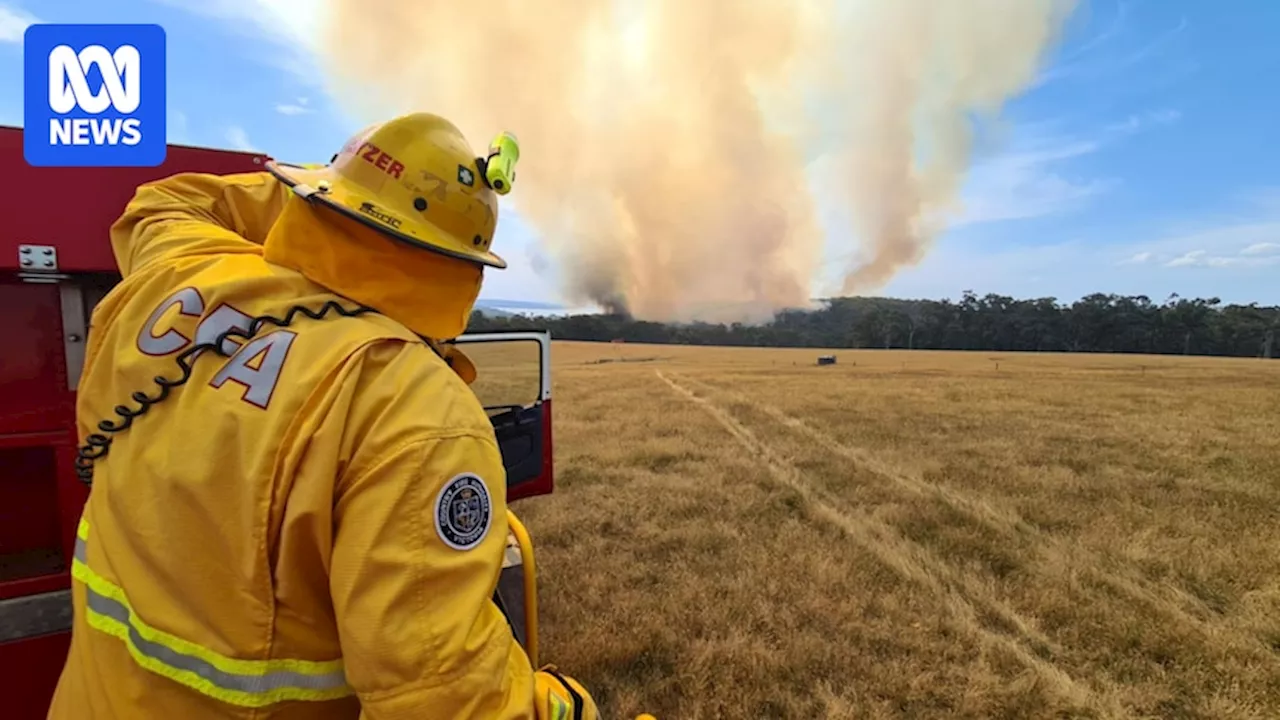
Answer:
(379, 158)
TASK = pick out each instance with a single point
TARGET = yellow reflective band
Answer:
(560, 707)
(248, 683)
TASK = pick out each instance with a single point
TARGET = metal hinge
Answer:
(39, 264)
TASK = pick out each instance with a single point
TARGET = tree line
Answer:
(1100, 322)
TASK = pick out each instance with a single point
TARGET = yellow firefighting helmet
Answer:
(415, 178)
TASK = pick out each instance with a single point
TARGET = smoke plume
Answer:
(673, 152)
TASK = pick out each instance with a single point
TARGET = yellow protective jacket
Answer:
(312, 527)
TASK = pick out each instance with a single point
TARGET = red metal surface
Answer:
(35, 586)
(31, 668)
(73, 208)
(36, 426)
(30, 533)
(37, 439)
(33, 386)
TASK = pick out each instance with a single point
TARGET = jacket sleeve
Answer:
(420, 634)
(192, 214)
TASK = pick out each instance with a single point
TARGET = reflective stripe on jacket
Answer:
(250, 683)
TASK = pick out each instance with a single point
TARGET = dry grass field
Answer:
(737, 533)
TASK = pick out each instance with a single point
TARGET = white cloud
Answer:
(1134, 123)
(1235, 244)
(1087, 64)
(1032, 180)
(1195, 257)
(1027, 182)
(1198, 258)
(13, 23)
(287, 22)
(288, 36)
(295, 108)
(1156, 46)
(1262, 248)
(1249, 237)
(1233, 256)
(239, 139)
(293, 27)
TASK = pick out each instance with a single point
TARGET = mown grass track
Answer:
(738, 533)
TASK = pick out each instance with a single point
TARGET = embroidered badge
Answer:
(463, 512)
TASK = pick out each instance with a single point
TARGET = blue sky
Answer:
(1145, 159)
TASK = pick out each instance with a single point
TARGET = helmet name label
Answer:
(380, 159)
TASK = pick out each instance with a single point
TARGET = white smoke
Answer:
(666, 144)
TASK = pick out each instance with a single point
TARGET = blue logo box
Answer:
(94, 95)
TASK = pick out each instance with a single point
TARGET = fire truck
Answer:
(56, 263)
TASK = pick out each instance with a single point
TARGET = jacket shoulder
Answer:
(394, 393)
(410, 382)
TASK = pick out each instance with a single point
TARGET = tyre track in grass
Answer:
(962, 597)
(1051, 552)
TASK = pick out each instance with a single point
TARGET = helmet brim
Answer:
(342, 198)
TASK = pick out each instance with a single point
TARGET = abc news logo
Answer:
(94, 95)
(69, 89)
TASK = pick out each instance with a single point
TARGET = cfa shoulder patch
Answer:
(463, 511)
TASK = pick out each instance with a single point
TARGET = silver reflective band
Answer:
(246, 683)
(271, 680)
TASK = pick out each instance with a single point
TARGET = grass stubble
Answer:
(736, 533)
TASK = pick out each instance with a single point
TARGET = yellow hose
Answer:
(530, 587)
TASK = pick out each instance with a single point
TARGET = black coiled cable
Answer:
(97, 444)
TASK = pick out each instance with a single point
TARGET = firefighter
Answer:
(313, 523)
